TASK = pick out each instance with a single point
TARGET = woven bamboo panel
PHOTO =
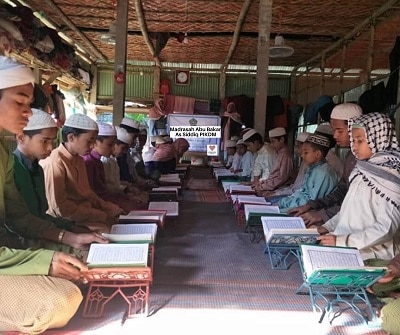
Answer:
(308, 26)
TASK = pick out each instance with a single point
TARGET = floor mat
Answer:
(201, 184)
(210, 196)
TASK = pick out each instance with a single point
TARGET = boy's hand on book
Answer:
(297, 211)
(312, 218)
(66, 266)
(82, 241)
(327, 240)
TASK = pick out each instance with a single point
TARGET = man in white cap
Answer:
(33, 144)
(68, 191)
(319, 211)
(242, 162)
(283, 164)
(31, 301)
(263, 156)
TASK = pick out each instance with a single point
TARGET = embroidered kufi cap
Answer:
(106, 129)
(81, 121)
(13, 73)
(324, 128)
(130, 122)
(230, 144)
(346, 111)
(276, 132)
(249, 134)
(124, 136)
(40, 120)
(319, 139)
(302, 137)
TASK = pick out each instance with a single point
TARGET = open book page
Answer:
(287, 230)
(109, 255)
(258, 210)
(251, 199)
(145, 232)
(172, 207)
(246, 189)
(227, 184)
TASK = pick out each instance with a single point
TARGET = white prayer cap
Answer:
(130, 122)
(249, 134)
(14, 74)
(124, 136)
(276, 132)
(240, 142)
(301, 137)
(40, 120)
(235, 138)
(230, 144)
(346, 111)
(106, 129)
(324, 128)
(81, 121)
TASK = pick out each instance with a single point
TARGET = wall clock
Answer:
(182, 77)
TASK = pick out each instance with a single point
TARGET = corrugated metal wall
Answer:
(202, 86)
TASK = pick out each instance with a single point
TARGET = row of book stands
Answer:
(124, 266)
(335, 278)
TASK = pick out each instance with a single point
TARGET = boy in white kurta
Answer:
(369, 218)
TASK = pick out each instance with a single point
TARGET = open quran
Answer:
(287, 230)
(132, 233)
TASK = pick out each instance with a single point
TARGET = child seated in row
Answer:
(68, 191)
(320, 178)
(243, 164)
(33, 144)
(103, 146)
(230, 151)
(369, 218)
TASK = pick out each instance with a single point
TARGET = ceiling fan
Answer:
(279, 49)
(109, 37)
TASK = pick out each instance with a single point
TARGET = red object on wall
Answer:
(119, 78)
(165, 85)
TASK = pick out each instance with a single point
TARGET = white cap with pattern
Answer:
(106, 129)
(130, 123)
(81, 121)
(124, 136)
(40, 120)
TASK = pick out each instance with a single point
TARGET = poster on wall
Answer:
(201, 131)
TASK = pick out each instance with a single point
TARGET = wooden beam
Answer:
(236, 34)
(74, 28)
(367, 22)
(145, 33)
(264, 29)
(120, 61)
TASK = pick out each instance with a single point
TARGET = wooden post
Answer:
(120, 61)
(264, 28)
(156, 82)
(370, 55)
(342, 69)
(93, 87)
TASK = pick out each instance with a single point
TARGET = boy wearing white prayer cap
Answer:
(69, 194)
(33, 144)
(25, 273)
(283, 164)
(95, 170)
(319, 211)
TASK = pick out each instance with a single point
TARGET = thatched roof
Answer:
(310, 27)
